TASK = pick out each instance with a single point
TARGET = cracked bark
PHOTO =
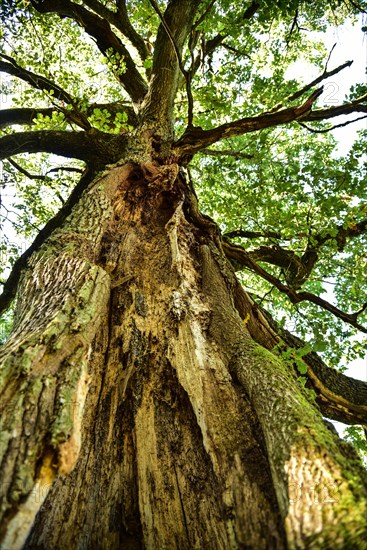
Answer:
(154, 419)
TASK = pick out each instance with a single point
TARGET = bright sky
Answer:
(350, 45)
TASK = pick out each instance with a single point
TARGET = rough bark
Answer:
(138, 410)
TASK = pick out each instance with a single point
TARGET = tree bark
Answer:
(138, 410)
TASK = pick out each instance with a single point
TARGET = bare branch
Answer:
(40, 176)
(359, 105)
(195, 139)
(106, 40)
(307, 87)
(25, 172)
(330, 128)
(242, 258)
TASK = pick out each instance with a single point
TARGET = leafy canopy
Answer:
(293, 213)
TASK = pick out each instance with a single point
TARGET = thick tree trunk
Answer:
(139, 412)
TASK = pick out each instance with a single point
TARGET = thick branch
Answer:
(296, 271)
(27, 116)
(121, 21)
(296, 268)
(195, 139)
(158, 105)
(40, 82)
(339, 397)
(99, 29)
(357, 106)
(252, 234)
(343, 233)
(95, 147)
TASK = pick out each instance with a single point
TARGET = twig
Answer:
(325, 130)
(226, 153)
(328, 59)
(203, 16)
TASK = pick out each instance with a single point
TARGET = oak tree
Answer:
(160, 386)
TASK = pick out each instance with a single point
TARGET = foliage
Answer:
(357, 437)
(280, 193)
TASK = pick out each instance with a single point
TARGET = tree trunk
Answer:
(138, 411)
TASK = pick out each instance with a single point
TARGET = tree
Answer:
(148, 399)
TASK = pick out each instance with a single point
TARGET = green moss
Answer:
(23, 482)
(67, 399)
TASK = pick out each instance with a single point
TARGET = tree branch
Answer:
(343, 233)
(95, 147)
(339, 397)
(106, 40)
(226, 153)
(27, 116)
(121, 21)
(210, 46)
(358, 105)
(42, 83)
(25, 172)
(252, 234)
(334, 127)
(297, 269)
(195, 139)
(42, 177)
(204, 15)
(242, 258)
(159, 103)
(37, 81)
(307, 87)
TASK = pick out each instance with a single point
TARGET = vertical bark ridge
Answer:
(44, 365)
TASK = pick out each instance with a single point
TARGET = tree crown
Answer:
(208, 84)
